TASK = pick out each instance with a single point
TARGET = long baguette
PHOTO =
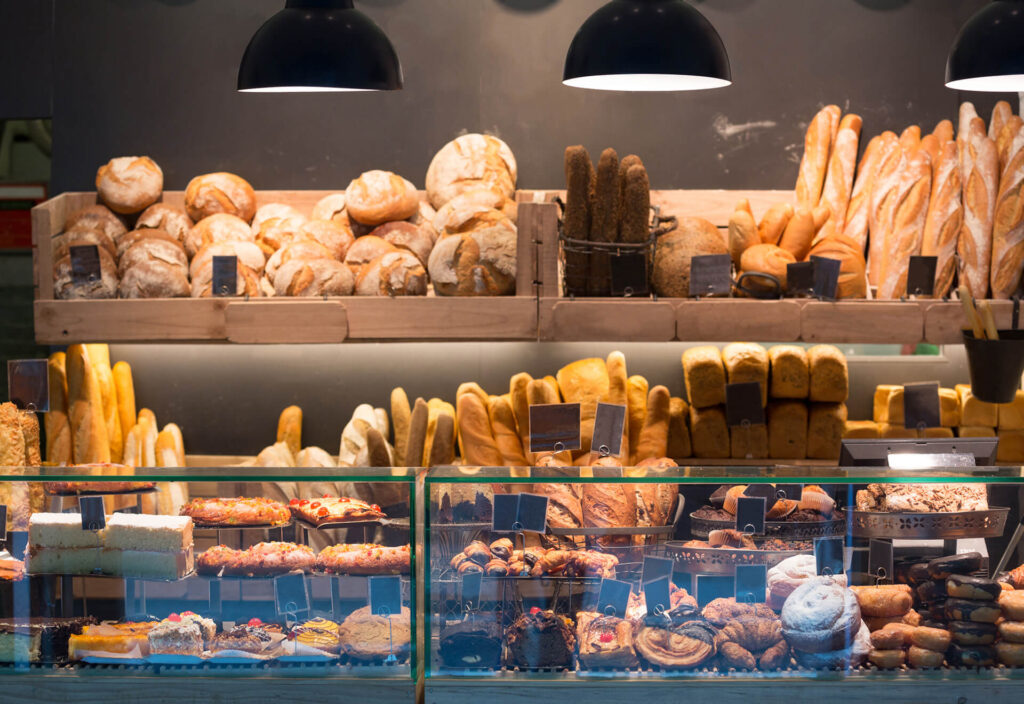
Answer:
(817, 147)
(884, 199)
(859, 209)
(1008, 225)
(58, 430)
(85, 409)
(1005, 139)
(979, 173)
(100, 356)
(907, 233)
(1000, 114)
(839, 179)
(944, 131)
(605, 212)
(967, 115)
(579, 184)
(910, 138)
(945, 218)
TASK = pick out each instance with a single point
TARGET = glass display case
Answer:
(663, 576)
(245, 571)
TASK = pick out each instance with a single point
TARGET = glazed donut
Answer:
(821, 615)
(937, 611)
(502, 548)
(887, 659)
(877, 623)
(1010, 654)
(968, 633)
(1012, 604)
(971, 656)
(962, 587)
(1012, 631)
(922, 657)
(917, 573)
(886, 640)
(932, 590)
(884, 601)
(931, 638)
(496, 568)
(942, 567)
(977, 611)
(478, 553)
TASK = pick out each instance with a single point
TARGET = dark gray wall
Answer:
(26, 58)
(158, 76)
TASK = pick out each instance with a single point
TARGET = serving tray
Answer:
(947, 526)
(784, 530)
(722, 561)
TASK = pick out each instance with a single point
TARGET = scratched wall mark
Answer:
(745, 131)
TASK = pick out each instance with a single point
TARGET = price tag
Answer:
(826, 277)
(85, 264)
(743, 404)
(711, 587)
(765, 491)
(658, 596)
(225, 275)
(613, 598)
(629, 275)
(921, 405)
(657, 568)
(19, 544)
(533, 513)
(880, 560)
(750, 514)
(829, 555)
(789, 491)
(3, 523)
(93, 515)
(28, 384)
(386, 595)
(505, 513)
(609, 421)
(751, 584)
(554, 427)
(291, 594)
(800, 279)
(710, 275)
(921, 275)
(471, 584)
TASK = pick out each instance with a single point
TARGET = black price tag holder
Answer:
(629, 278)
(28, 384)
(826, 277)
(385, 601)
(751, 584)
(750, 512)
(554, 427)
(609, 421)
(921, 275)
(800, 279)
(658, 596)
(829, 556)
(532, 513)
(743, 404)
(291, 595)
(472, 584)
(518, 514)
(921, 407)
(880, 563)
(225, 275)
(19, 544)
(3, 524)
(93, 516)
(710, 275)
(613, 598)
(656, 568)
(85, 264)
(711, 587)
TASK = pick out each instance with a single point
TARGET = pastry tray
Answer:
(784, 530)
(722, 561)
(632, 530)
(260, 526)
(385, 522)
(127, 492)
(947, 526)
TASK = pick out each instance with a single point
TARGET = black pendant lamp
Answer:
(988, 54)
(319, 45)
(647, 45)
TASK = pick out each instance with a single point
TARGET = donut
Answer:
(905, 630)
(1010, 654)
(931, 638)
(971, 656)
(932, 590)
(977, 611)
(963, 587)
(917, 573)
(887, 659)
(942, 567)
(1012, 631)
(922, 657)
(1012, 604)
(821, 615)
(884, 601)
(885, 640)
(937, 611)
(968, 633)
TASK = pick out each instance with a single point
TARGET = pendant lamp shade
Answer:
(319, 45)
(647, 45)
(988, 54)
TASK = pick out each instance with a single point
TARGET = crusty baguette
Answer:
(967, 114)
(579, 184)
(503, 427)
(817, 147)
(85, 409)
(945, 218)
(618, 394)
(289, 428)
(944, 131)
(125, 388)
(904, 238)
(636, 409)
(884, 199)
(442, 450)
(839, 179)
(604, 220)
(417, 434)
(859, 209)
(933, 146)
(979, 174)
(400, 416)
(1008, 225)
(1000, 114)
(1005, 139)
(653, 440)
(179, 442)
(58, 431)
(477, 440)
(99, 354)
(910, 138)
(521, 409)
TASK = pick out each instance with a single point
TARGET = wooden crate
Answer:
(271, 320)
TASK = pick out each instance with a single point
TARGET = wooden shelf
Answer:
(884, 322)
(728, 320)
(606, 320)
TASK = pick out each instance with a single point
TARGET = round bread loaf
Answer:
(330, 207)
(365, 249)
(247, 281)
(96, 217)
(460, 222)
(274, 210)
(247, 254)
(275, 233)
(766, 259)
(480, 262)
(405, 235)
(221, 227)
(821, 615)
(397, 273)
(130, 239)
(299, 249)
(104, 287)
(694, 237)
(154, 278)
(424, 216)
(479, 197)
(220, 192)
(161, 216)
(81, 235)
(150, 250)
(470, 161)
(853, 280)
(314, 277)
(335, 235)
(128, 184)
(377, 197)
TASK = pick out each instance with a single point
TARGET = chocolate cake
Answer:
(540, 639)
(39, 639)
(475, 643)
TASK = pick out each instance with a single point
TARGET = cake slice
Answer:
(147, 564)
(140, 532)
(64, 560)
(61, 530)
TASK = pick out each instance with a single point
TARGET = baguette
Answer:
(134, 443)
(884, 199)
(908, 219)
(839, 178)
(585, 382)
(477, 440)
(377, 452)
(125, 389)
(944, 131)
(859, 209)
(179, 443)
(289, 429)
(1005, 139)
(910, 138)
(521, 409)
(435, 407)
(636, 206)
(624, 166)
(58, 430)
(604, 221)
(653, 440)
(979, 174)
(442, 450)
(618, 394)
(1001, 113)
(1008, 225)
(165, 451)
(89, 443)
(553, 383)
(417, 434)
(100, 356)
(679, 445)
(932, 146)
(503, 427)
(814, 164)
(400, 418)
(967, 115)
(146, 416)
(579, 183)
(637, 389)
(945, 219)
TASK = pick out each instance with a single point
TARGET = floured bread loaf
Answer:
(476, 258)
(247, 253)
(377, 197)
(161, 216)
(397, 273)
(301, 249)
(470, 161)
(313, 277)
(221, 192)
(221, 227)
(104, 287)
(128, 184)
(335, 235)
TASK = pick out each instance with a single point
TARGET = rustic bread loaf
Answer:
(467, 162)
(128, 184)
(209, 194)
(377, 197)
(161, 216)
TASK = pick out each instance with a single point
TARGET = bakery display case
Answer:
(197, 573)
(767, 579)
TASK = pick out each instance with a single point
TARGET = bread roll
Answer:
(979, 173)
(330, 207)
(299, 249)
(130, 239)
(166, 218)
(830, 379)
(1008, 225)
(853, 281)
(58, 429)
(584, 382)
(742, 235)
(838, 186)
(65, 288)
(96, 217)
(275, 233)
(478, 198)
(365, 249)
(747, 362)
(221, 227)
(798, 235)
(78, 236)
(693, 237)
(767, 259)
(152, 250)
(377, 197)
(221, 192)
(906, 235)
(825, 427)
(405, 235)
(478, 261)
(709, 432)
(397, 273)
(247, 254)
(89, 443)
(155, 278)
(470, 161)
(334, 235)
(653, 441)
(817, 147)
(859, 209)
(787, 430)
(774, 222)
(278, 211)
(128, 184)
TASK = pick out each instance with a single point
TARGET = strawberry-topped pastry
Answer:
(334, 509)
(364, 558)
